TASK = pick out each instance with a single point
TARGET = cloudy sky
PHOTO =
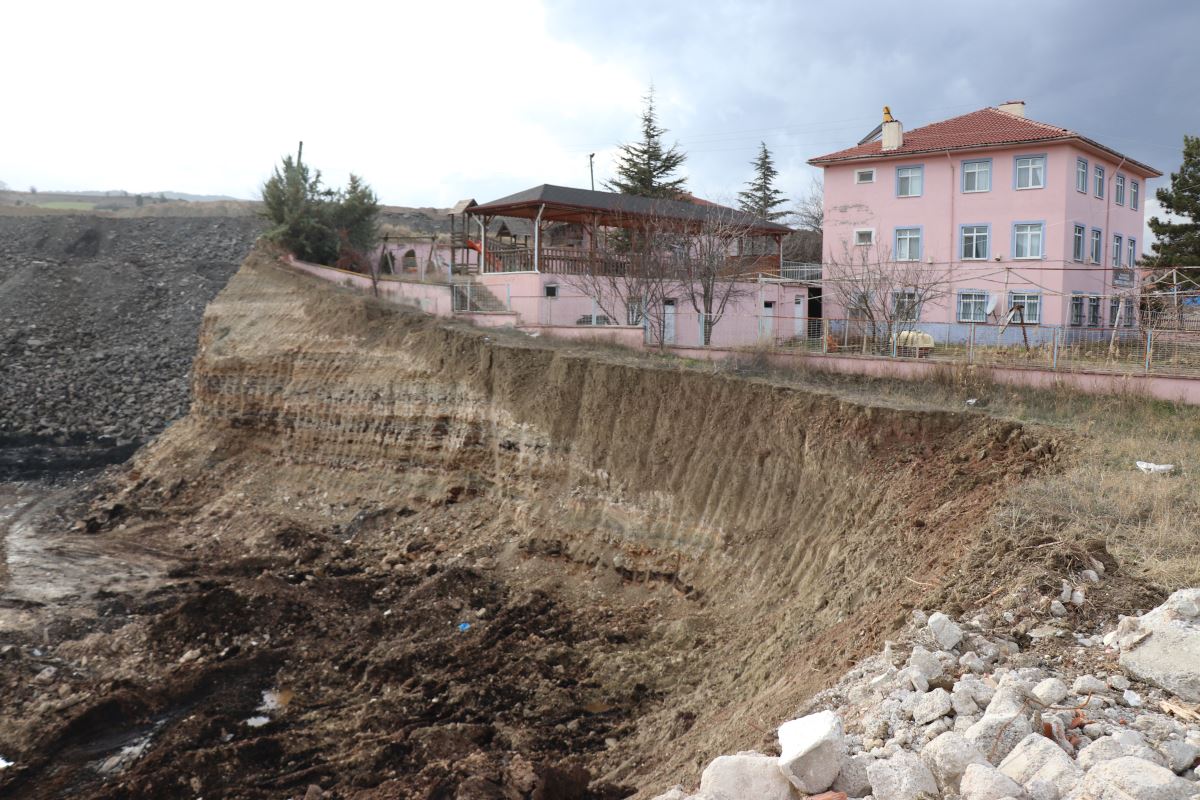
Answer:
(432, 102)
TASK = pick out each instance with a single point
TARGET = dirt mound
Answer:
(654, 565)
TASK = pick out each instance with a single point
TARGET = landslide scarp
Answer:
(653, 564)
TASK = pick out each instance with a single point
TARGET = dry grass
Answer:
(1149, 523)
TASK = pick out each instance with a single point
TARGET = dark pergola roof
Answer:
(567, 204)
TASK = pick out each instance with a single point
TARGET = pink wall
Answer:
(431, 298)
(943, 207)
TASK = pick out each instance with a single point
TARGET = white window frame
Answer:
(864, 175)
(909, 234)
(1079, 243)
(1099, 189)
(914, 171)
(1028, 229)
(1026, 299)
(1133, 195)
(1118, 243)
(913, 305)
(1034, 165)
(870, 236)
(1132, 260)
(1095, 313)
(975, 236)
(859, 306)
(1127, 320)
(1119, 190)
(1081, 175)
(982, 166)
(1077, 313)
(977, 301)
(1097, 246)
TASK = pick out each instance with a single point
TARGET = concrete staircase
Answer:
(472, 297)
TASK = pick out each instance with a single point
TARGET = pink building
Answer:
(1004, 211)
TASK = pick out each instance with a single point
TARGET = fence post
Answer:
(1149, 345)
(508, 296)
(1054, 357)
(825, 336)
(971, 345)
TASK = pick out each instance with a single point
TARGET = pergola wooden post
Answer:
(537, 239)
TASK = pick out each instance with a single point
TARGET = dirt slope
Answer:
(655, 564)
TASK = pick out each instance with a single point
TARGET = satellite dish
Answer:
(991, 305)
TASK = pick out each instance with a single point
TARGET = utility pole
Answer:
(300, 154)
(591, 169)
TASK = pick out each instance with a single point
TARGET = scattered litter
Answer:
(387, 613)
(5, 763)
(257, 722)
(973, 401)
(1132, 698)
(464, 626)
(1148, 468)
(275, 699)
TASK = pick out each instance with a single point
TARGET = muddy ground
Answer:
(136, 673)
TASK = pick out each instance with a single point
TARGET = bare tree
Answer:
(627, 276)
(708, 270)
(809, 213)
(882, 294)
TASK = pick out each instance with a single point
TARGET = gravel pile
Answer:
(98, 325)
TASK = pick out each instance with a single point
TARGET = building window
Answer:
(1116, 251)
(1133, 195)
(1081, 175)
(974, 242)
(977, 176)
(905, 306)
(1031, 306)
(908, 244)
(1093, 320)
(1131, 262)
(864, 238)
(1027, 240)
(1127, 320)
(1099, 181)
(1077, 310)
(1119, 199)
(909, 181)
(1079, 243)
(859, 306)
(972, 306)
(1114, 309)
(864, 176)
(1031, 172)
(551, 290)
(1097, 246)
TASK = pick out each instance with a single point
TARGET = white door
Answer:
(668, 322)
(798, 329)
(766, 321)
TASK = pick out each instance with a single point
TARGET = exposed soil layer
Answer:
(480, 566)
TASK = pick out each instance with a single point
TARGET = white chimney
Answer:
(893, 131)
(1014, 107)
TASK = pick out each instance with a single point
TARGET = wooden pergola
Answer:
(547, 204)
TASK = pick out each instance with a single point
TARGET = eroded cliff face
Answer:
(743, 542)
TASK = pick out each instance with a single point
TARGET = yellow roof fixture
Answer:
(887, 115)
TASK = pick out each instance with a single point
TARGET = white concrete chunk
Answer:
(1051, 691)
(1037, 757)
(997, 734)
(745, 775)
(852, 779)
(932, 705)
(945, 632)
(1169, 656)
(811, 751)
(902, 777)
(1130, 778)
(985, 782)
(948, 756)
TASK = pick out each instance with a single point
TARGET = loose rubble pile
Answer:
(968, 714)
(98, 325)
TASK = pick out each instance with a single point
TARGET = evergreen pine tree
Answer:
(761, 198)
(644, 168)
(1179, 242)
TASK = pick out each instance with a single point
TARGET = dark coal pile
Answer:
(98, 325)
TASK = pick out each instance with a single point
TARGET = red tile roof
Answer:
(987, 127)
